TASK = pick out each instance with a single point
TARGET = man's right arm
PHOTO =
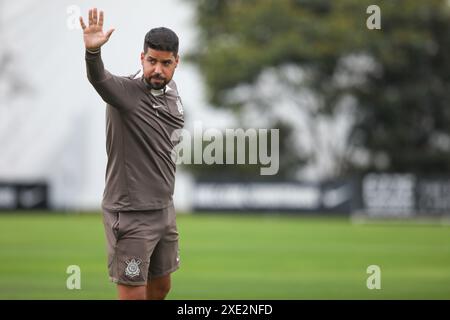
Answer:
(95, 69)
(111, 88)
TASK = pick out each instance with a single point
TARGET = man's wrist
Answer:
(93, 51)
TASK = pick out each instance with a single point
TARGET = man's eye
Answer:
(152, 61)
(167, 63)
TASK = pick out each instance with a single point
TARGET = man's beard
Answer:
(157, 85)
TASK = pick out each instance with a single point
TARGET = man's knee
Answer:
(131, 292)
(158, 288)
(162, 290)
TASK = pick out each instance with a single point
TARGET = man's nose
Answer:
(158, 68)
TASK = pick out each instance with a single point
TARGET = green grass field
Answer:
(234, 257)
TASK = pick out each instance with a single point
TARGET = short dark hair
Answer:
(162, 39)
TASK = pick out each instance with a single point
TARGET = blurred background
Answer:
(360, 93)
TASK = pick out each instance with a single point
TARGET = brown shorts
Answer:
(141, 244)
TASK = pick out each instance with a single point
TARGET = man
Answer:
(142, 113)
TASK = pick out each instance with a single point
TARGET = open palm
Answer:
(93, 35)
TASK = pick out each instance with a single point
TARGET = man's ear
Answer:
(142, 57)
(177, 59)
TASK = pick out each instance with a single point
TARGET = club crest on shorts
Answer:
(132, 270)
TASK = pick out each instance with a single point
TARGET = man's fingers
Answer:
(100, 21)
(90, 18)
(108, 34)
(83, 26)
(94, 16)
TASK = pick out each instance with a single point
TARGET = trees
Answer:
(360, 99)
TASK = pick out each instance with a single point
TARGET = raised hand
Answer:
(93, 35)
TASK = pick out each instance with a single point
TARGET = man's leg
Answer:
(164, 259)
(158, 288)
(131, 292)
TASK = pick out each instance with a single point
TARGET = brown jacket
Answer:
(140, 172)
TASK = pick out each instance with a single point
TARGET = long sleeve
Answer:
(111, 88)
